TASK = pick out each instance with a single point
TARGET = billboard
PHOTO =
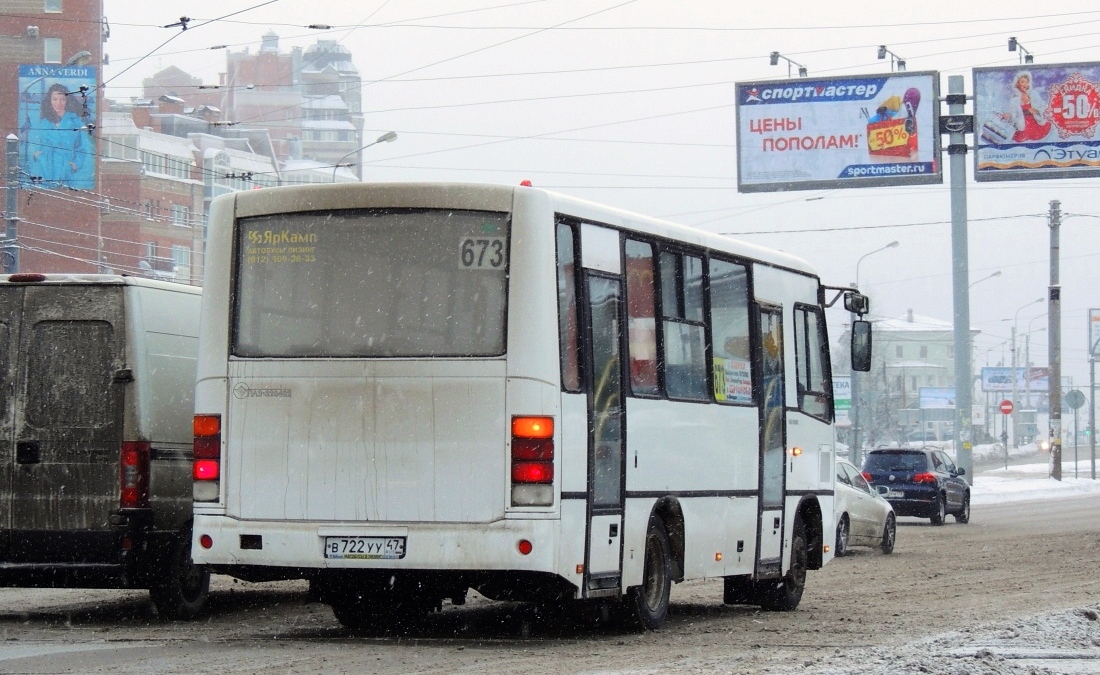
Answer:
(827, 133)
(1033, 121)
(937, 397)
(842, 399)
(1027, 379)
(57, 113)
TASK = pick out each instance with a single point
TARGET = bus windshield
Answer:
(371, 283)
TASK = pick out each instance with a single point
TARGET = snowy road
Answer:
(1013, 591)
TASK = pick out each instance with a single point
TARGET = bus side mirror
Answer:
(861, 346)
(856, 303)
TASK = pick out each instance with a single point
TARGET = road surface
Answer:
(1011, 563)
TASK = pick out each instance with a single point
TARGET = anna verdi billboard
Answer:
(827, 133)
(1036, 121)
(57, 111)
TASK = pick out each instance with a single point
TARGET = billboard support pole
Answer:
(964, 382)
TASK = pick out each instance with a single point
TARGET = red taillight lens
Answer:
(924, 478)
(866, 475)
(134, 475)
(207, 447)
(532, 450)
(532, 472)
(206, 469)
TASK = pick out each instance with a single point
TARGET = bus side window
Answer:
(682, 326)
(567, 309)
(729, 323)
(811, 358)
(641, 318)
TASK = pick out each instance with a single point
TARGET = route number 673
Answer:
(482, 252)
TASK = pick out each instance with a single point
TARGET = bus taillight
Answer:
(532, 461)
(206, 469)
(134, 475)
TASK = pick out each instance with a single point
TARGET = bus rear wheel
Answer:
(648, 603)
(784, 595)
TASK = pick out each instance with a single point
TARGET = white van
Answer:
(95, 416)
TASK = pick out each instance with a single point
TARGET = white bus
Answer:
(407, 391)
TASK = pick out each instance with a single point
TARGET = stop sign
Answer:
(1006, 407)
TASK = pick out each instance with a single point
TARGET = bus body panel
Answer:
(316, 443)
(682, 446)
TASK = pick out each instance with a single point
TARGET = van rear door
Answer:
(63, 424)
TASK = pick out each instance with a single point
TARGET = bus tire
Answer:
(648, 603)
(785, 594)
(182, 586)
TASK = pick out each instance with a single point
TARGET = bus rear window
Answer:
(371, 283)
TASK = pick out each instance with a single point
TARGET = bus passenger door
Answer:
(605, 435)
(769, 558)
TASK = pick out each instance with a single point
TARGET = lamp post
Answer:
(1015, 388)
(387, 137)
(774, 60)
(856, 447)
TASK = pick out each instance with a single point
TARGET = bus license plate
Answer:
(365, 548)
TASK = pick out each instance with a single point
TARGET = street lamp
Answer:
(774, 60)
(856, 447)
(995, 274)
(1015, 389)
(387, 137)
(894, 58)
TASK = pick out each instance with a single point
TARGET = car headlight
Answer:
(1044, 445)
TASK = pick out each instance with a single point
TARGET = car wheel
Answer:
(889, 534)
(649, 601)
(843, 532)
(785, 594)
(963, 515)
(939, 510)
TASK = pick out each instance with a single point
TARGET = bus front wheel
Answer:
(648, 603)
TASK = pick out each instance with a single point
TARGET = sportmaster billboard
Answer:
(1036, 121)
(827, 133)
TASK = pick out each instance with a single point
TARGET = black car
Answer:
(922, 482)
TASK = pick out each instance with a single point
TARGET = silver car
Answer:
(863, 516)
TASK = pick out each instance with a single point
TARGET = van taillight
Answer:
(206, 469)
(532, 461)
(134, 475)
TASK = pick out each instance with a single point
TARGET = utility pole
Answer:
(1054, 328)
(10, 253)
(964, 383)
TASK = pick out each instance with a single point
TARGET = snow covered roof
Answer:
(329, 102)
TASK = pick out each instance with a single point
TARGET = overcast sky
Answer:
(631, 103)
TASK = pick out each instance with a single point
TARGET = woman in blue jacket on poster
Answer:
(60, 149)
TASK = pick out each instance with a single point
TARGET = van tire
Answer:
(182, 586)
